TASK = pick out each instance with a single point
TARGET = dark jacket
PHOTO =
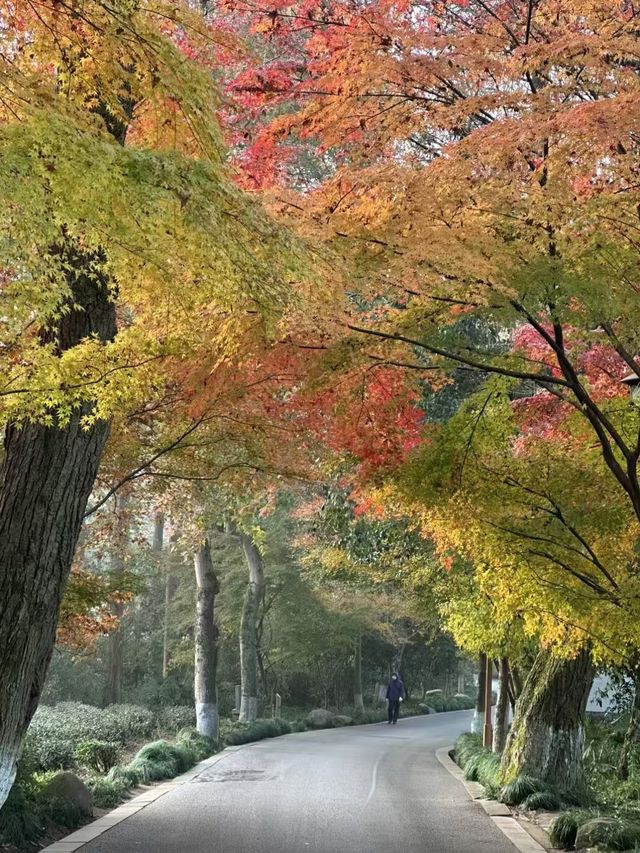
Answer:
(396, 689)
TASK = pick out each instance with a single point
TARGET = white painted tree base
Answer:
(248, 709)
(207, 719)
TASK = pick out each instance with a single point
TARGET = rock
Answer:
(605, 830)
(320, 718)
(66, 788)
(428, 693)
(342, 720)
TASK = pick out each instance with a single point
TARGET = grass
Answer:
(563, 830)
(542, 801)
(516, 792)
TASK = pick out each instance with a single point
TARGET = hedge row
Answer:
(57, 733)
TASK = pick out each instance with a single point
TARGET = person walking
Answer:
(396, 692)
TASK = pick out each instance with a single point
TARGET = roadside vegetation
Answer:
(602, 814)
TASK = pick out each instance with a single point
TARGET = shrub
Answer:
(157, 760)
(55, 730)
(249, 732)
(98, 755)
(564, 829)
(176, 718)
(127, 776)
(611, 833)
(107, 793)
(202, 746)
(522, 787)
(542, 800)
(20, 823)
(63, 813)
(163, 760)
(127, 722)
(56, 755)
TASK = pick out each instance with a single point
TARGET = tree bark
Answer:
(253, 598)
(478, 715)
(46, 477)
(119, 545)
(358, 701)
(157, 548)
(547, 736)
(206, 644)
(500, 727)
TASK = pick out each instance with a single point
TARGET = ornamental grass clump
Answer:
(162, 760)
(542, 801)
(519, 789)
(258, 730)
(608, 833)
(563, 830)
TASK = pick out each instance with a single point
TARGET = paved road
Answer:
(366, 789)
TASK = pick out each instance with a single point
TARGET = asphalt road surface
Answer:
(364, 789)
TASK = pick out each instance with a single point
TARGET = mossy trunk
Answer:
(206, 644)
(501, 725)
(547, 736)
(253, 598)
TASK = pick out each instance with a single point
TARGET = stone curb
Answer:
(498, 812)
(92, 830)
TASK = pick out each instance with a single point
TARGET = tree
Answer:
(249, 640)
(124, 248)
(206, 644)
(547, 735)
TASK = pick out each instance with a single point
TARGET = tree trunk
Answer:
(253, 599)
(46, 477)
(478, 715)
(206, 643)
(119, 546)
(632, 733)
(358, 701)
(157, 547)
(500, 726)
(547, 736)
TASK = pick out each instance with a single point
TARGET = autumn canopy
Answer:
(381, 257)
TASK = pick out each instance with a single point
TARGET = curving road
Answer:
(366, 789)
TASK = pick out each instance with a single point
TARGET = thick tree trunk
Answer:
(358, 701)
(500, 726)
(46, 477)
(547, 736)
(253, 599)
(478, 715)
(206, 643)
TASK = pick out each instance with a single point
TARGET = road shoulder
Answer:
(497, 812)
